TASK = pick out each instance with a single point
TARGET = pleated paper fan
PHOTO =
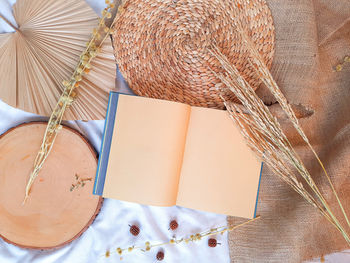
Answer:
(44, 50)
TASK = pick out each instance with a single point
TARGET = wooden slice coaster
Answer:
(61, 205)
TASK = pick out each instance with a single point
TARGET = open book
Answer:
(165, 153)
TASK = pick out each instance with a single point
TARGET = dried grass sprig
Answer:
(260, 67)
(265, 136)
(99, 35)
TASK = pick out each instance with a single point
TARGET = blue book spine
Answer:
(106, 143)
(257, 194)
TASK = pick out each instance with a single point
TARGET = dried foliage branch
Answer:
(175, 241)
(265, 136)
(93, 47)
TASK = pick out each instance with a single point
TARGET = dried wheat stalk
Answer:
(99, 35)
(265, 136)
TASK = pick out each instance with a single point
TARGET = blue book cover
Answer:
(106, 143)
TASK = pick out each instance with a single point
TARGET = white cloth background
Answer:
(110, 229)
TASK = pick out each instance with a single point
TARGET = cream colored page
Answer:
(146, 151)
(220, 173)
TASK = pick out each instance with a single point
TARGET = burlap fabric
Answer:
(311, 38)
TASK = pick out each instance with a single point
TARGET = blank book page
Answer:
(219, 172)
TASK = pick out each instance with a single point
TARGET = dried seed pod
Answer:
(173, 225)
(212, 242)
(160, 255)
(134, 230)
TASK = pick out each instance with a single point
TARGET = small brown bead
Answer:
(134, 230)
(173, 225)
(212, 242)
(160, 255)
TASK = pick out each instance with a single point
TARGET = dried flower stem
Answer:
(192, 238)
(69, 93)
(80, 182)
(265, 136)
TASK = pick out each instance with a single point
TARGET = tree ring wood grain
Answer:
(54, 215)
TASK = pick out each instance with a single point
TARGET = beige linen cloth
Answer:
(312, 36)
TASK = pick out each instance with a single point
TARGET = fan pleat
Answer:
(8, 67)
(30, 64)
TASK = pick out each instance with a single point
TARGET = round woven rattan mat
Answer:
(161, 46)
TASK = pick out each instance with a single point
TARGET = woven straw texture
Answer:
(160, 46)
(311, 38)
